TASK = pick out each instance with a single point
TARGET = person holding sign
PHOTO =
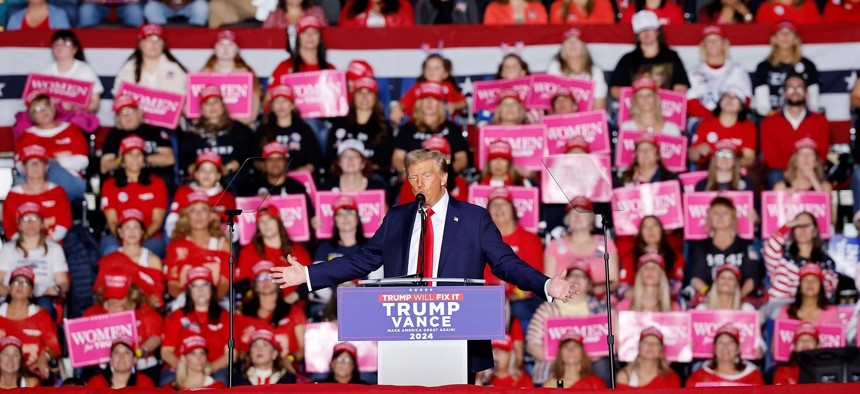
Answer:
(120, 372)
(650, 291)
(792, 246)
(458, 226)
(152, 65)
(724, 169)
(578, 242)
(69, 62)
(723, 247)
(37, 329)
(194, 370)
(574, 61)
(572, 367)
(226, 58)
(717, 73)
(647, 164)
(645, 110)
(727, 367)
(53, 201)
(64, 143)
(438, 69)
(811, 303)
(309, 53)
(284, 125)
(804, 171)
(13, 369)
(207, 179)
(805, 338)
(650, 370)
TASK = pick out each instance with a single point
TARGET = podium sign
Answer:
(421, 313)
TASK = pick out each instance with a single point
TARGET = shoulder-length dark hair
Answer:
(298, 62)
(137, 57)
(270, 125)
(716, 6)
(381, 125)
(661, 41)
(70, 36)
(557, 367)
(639, 247)
(640, 4)
(360, 239)
(209, 129)
(740, 364)
(121, 178)
(286, 242)
(818, 253)
(214, 312)
(446, 63)
(252, 306)
(387, 7)
(356, 378)
(822, 302)
(627, 175)
(519, 59)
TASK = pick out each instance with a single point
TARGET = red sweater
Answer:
(405, 16)
(842, 11)
(136, 195)
(98, 380)
(786, 375)
(711, 130)
(178, 325)
(772, 13)
(286, 67)
(452, 95)
(56, 211)
(780, 137)
(670, 14)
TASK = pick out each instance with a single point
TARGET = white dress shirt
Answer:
(440, 210)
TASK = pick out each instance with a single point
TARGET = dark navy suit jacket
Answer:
(470, 241)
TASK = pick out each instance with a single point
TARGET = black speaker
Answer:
(836, 365)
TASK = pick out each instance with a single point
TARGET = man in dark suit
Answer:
(461, 239)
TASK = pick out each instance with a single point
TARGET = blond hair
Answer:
(183, 226)
(665, 302)
(419, 155)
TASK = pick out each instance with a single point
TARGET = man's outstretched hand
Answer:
(562, 289)
(292, 275)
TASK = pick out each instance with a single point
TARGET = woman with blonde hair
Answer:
(193, 370)
(645, 110)
(650, 369)
(650, 287)
(785, 58)
(572, 367)
(510, 110)
(804, 171)
(573, 60)
(226, 58)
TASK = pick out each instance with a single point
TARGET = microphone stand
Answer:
(420, 269)
(231, 216)
(606, 219)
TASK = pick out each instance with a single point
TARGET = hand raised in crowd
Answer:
(561, 288)
(292, 275)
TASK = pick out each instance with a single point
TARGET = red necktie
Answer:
(428, 245)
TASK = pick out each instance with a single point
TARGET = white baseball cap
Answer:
(354, 144)
(645, 20)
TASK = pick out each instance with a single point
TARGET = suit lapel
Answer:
(452, 224)
(407, 238)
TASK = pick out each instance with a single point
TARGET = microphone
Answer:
(421, 200)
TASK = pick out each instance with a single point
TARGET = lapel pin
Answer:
(456, 219)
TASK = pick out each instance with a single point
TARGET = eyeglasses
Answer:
(725, 155)
(263, 278)
(152, 38)
(21, 282)
(126, 111)
(62, 43)
(31, 218)
(344, 359)
(792, 89)
(39, 108)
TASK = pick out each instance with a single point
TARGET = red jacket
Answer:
(779, 137)
(405, 16)
(771, 12)
(56, 211)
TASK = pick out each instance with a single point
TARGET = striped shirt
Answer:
(783, 270)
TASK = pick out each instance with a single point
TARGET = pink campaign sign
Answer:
(674, 106)
(527, 141)
(593, 330)
(306, 179)
(320, 339)
(661, 199)
(371, 210)
(673, 150)
(319, 94)
(89, 338)
(590, 125)
(544, 88)
(696, 205)
(564, 178)
(705, 323)
(780, 207)
(237, 89)
(485, 94)
(845, 313)
(67, 90)
(829, 336)
(675, 327)
(293, 212)
(690, 179)
(525, 200)
(160, 108)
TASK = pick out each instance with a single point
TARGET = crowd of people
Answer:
(162, 248)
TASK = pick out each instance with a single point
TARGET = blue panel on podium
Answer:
(421, 313)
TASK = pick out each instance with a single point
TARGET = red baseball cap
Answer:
(226, 34)
(275, 148)
(10, 340)
(344, 202)
(811, 269)
(437, 143)
(122, 102)
(644, 83)
(563, 92)
(509, 93)
(581, 265)
(727, 144)
(150, 29)
(116, 286)
(651, 257)
(653, 331)
(647, 138)
(262, 266)
(806, 329)
(24, 271)
(35, 94)
(200, 272)
(713, 30)
(728, 267)
(33, 152)
(358, 69)
(576, 142)
(210, 92)
(130, 214)
(503, 344)
(123, 340)
(432, 90)
(131, 143)
(581, 202)
(282, 91)
(268, 210)
(308, 22)
(500, 149)
(574, 32)
(208, 156)
(365, 83)
(345, 347)
(785, 24)
(265, 335)
(729, 329)
(805, 143)
(191, 343)
(571, 335)
(29, 208)
(197, 196)
(500, 192)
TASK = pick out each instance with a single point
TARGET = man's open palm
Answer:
(291, 275)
